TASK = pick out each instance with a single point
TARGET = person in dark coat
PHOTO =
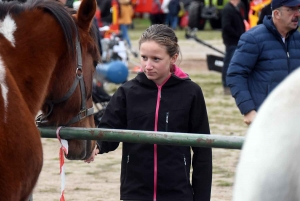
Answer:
(264, 12)
(265, 55)
(160, 98)
(232, 28)
(106, 14)
(156, 15)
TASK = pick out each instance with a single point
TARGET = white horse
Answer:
(269, 165)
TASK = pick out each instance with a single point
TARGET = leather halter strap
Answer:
(41, 120)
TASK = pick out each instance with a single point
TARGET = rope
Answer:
(63, 150)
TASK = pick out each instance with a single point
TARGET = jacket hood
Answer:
(178, 72)
(177, 76)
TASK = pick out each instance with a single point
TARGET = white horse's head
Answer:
(269, 166)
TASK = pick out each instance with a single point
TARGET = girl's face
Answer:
(155, 61)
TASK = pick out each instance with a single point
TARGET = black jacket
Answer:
(133, 107)
(267, 10)
(105, 7)
(232, 25)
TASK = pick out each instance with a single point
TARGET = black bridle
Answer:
(41, 120)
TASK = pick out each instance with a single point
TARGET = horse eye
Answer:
(95, 63)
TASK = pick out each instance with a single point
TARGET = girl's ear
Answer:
(174, 58)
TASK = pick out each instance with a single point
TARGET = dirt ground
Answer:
(99, 180)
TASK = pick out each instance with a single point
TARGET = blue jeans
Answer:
(228, 55)
(124, 30)
(172, 21)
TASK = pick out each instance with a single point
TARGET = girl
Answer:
(160, 98)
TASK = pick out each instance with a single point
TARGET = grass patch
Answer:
(93, 173)
(224, 116)
(224, 183)
(228, 175)
(218, 170)
(82, 189)
(141, 23)
(225, 173)
(49, 190)
(106, 167)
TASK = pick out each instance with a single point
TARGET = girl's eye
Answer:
(144, 58)
(156, 59)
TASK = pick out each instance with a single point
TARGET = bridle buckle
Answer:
(82, 114)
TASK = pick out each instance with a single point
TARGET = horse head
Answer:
(69, 95)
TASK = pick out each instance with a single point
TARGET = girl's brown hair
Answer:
(164, 36)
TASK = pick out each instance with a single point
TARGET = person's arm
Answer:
(202, 157)
(242, 63)
(114, 117)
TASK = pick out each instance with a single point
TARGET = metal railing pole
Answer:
(136, 136)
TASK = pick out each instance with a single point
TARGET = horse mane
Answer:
(55, 8)
(62, 14)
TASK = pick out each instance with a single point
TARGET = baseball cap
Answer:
(288, 3)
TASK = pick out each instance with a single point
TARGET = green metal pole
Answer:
(151, 137)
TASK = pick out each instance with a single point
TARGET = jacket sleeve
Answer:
(114, 118)
(242, 63)
(202, 157)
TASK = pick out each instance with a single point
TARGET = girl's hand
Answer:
(93, 155)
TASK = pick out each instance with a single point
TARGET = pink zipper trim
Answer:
(155, 129)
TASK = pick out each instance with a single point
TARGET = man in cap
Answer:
(265, 55)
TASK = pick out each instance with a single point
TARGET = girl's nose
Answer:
(148, 64)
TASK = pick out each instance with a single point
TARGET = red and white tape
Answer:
(63, 150)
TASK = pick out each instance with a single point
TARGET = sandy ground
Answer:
(99, 181)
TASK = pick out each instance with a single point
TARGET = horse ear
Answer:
(86, 13)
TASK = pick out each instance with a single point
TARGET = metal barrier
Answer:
(136, 136)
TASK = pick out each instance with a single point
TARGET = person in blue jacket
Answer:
(160, 98)
(265, 55)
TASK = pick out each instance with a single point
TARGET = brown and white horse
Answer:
(47, 59)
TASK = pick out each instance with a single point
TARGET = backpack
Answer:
(174, 7)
